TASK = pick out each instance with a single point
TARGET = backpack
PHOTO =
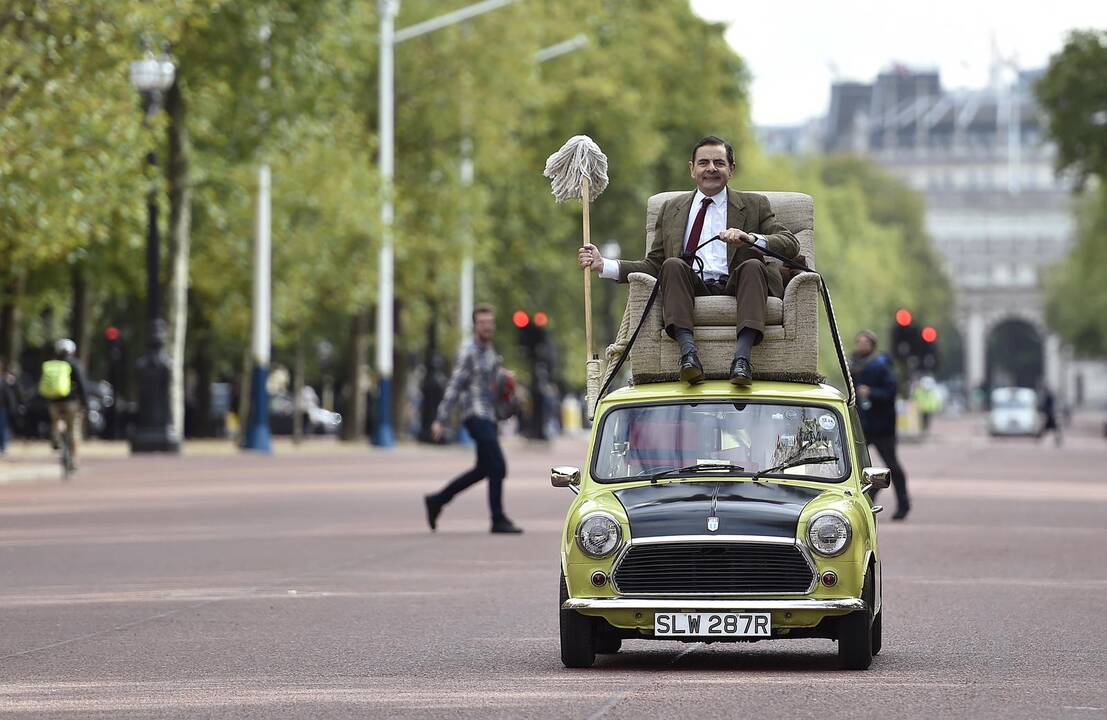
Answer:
(56, 382)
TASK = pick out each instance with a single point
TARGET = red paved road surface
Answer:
(307, 585)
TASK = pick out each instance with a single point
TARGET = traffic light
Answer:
(116, 377)
(904, 335)
(534, 339)
(929, 350)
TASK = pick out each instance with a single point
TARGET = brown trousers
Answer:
(681, 285)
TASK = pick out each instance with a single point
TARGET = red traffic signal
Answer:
(903, 317)
(521, 319)
(112, 334)
(929, 334)
(541, 319)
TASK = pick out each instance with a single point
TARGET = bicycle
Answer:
(62, 438)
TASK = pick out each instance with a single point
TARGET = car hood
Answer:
(742, 508)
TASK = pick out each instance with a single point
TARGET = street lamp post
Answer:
(152, 76)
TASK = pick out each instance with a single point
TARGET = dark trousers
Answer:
(886, 446)
(490, 464)
(749, 284)
(3, 429)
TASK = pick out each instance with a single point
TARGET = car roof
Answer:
(761, 390)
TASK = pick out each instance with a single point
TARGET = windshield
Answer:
(744, 438)
(1014, 399)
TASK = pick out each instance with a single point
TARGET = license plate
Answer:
(712, 624)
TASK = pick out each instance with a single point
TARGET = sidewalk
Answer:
(36, 461)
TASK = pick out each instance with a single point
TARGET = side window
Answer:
(859, 438)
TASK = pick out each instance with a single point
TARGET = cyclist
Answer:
(63, 386)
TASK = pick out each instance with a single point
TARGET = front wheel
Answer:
(608, 643)
(578, 635)
(855, 633)
(877, 631)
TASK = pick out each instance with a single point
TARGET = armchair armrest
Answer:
(801, 305)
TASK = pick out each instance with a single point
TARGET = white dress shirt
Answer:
(713, 255)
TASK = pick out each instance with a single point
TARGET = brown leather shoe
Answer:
(691, 369)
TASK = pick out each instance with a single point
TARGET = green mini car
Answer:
(714, 513)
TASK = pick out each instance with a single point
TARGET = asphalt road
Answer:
(306, 584)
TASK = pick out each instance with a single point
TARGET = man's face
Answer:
(710, 169)
(864, 345)
(484, 326)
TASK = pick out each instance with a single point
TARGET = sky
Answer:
(796, 49)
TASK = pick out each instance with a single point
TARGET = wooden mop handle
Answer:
(585, 193)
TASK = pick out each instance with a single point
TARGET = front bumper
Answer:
(845, 605)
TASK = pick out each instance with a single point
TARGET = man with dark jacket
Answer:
(874, 379)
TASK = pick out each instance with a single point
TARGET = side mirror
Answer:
(875, 478)
(564, 476)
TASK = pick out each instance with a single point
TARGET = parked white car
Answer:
(1014, 412)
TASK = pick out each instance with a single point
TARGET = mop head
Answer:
(578, 158)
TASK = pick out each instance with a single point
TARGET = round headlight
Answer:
(829, 533)
(598, 535)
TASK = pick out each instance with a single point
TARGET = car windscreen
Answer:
(1014, 399)
(636, 442)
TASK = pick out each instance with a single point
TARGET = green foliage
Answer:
(304, 101)
(870, 244)
(1076, 305)
(1073, 93)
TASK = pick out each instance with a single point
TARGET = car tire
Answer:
(608, 643)
(578, 635)
(855, 633)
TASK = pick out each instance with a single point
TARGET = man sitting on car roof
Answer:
(689, 264)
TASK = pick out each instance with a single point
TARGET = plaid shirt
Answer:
(470, 386)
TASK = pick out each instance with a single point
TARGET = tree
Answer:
(1073, 93)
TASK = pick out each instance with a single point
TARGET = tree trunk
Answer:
(10, 318)
(353, 422)
(180, 221)
(78, 327)
(298, 408)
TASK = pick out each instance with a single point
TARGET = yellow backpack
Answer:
(57, 380)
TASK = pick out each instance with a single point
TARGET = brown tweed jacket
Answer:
(746, 211)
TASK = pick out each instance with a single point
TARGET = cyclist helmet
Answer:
(65, 347)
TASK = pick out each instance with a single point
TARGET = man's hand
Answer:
(734, 236)
(863, 391)
(589, 257)
(436, 431)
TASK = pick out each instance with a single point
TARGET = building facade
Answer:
(999, 215)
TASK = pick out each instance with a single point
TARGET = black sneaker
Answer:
(507, 527)
(901, 513)
(434, 507)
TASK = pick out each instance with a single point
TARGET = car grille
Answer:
(719, 568)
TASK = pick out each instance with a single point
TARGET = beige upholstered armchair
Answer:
(789, 349)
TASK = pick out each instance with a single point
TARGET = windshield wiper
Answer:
(793, 463)
(697, 468)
